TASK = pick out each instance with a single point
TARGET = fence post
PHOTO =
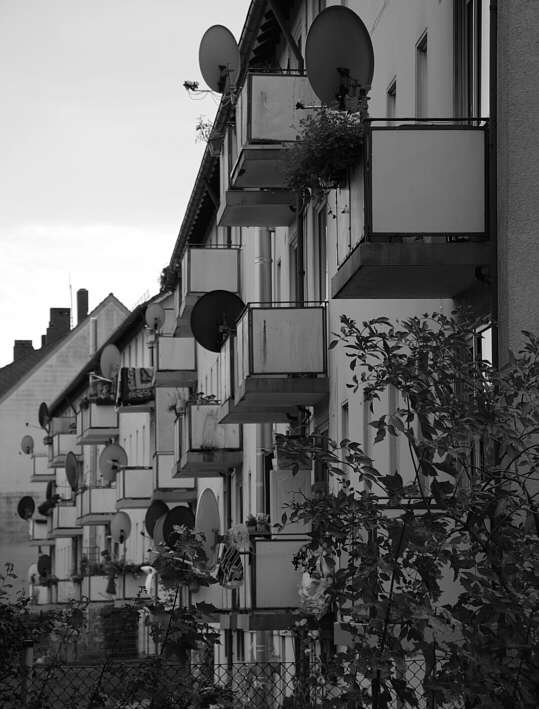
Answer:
(27, 670)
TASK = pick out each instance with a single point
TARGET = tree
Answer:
(439, 559)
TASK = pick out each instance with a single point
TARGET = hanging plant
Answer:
(329, 144)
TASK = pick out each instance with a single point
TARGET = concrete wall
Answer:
(518, 171)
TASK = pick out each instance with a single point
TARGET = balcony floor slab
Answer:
(410, 270)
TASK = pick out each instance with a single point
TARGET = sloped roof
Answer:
(13, 373)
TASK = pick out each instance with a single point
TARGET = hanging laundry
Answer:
(135, 386)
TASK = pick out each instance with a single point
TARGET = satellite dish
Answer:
(213, 316)
(208, 523)
(44, 565)
(219, 58)
(26, 507)
(27, 445)
(157, 509)
(112, 459)
(338, 55)
(155, 316)
(73, 468)
(50, 490)
(158, 537)
(177, 516)
(43, 416)
(109, 361)
(120, 527)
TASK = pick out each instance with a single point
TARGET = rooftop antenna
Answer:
(70, 301)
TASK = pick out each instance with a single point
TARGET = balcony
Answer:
(63, 438)
(207, 447)
(68, 590)
(266, 120)
(275, 363)
(64, 521)
(263, 208)
(269, 593)
(176, 362)
(134, 487)
(168, 487)
(95, 505)
(96, 423)
(41, 473)
(204, 270)
(424, 226)
(39, 532)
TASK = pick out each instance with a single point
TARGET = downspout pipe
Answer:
(264, 431)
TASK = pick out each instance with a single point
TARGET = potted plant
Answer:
(328, 146)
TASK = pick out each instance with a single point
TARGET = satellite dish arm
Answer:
(286, 32)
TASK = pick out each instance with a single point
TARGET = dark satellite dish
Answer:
(27, 445)
(213, 316)
(45, 508)
(338, 55)
(158, 537)
(155, 316)
(176, 517)
(43, 416)
(120, 527)
(219, 58)
(109, 361)
(112, 459)
(26, 507)
(44, 565)
(157, 509)
(208, 523)
(73, 468)
(50, 490)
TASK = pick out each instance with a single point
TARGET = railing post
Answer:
(27, 670)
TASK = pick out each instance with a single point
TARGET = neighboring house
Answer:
(35, 376)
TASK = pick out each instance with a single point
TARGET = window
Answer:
(391, 99)
(471, 42)
(277, 285)
(421, 84)
(321, 285)
(345, 425)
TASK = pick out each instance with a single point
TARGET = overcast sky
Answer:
(97, 147)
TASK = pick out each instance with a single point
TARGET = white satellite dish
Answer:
(113, 458)
(208, 523)
(155, 316)
(109, 361)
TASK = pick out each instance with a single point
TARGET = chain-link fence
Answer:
(154, 683)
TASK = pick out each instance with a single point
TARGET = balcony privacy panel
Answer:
(276, 580)
(134, 484)
(176, 353)
(64, 516)
(273, 340)
(40, 465)
(266, 109)
(202, 432)
(164, 472)
(98, 500)
(207, 269)
(428, 180)
(97, 423)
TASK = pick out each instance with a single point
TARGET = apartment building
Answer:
(438, 212)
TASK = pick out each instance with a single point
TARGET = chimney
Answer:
(82, 304)
(21, 348)
(59, 324)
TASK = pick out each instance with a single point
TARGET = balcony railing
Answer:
(204, 270)
(62, 439)
(166, 485)
(176, 362)
(64, 521)
(267, 119)
(134, 486)
(97, 423)
(96, 505)
(269, 592)
(276, 362)
(423, 228)
(207, 447)
(41, 473)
